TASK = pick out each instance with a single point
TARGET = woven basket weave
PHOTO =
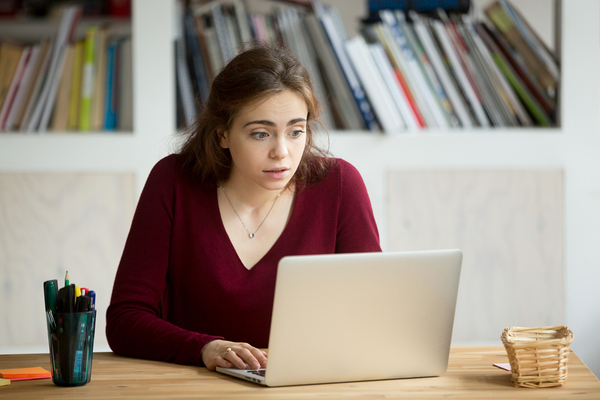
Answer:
(538, 356)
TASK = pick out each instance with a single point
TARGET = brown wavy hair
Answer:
(258, 72)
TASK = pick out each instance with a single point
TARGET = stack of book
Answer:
(407, 71)
(65, 83)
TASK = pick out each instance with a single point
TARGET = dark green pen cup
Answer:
(71, 341)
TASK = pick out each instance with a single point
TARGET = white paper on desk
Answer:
(504, 366)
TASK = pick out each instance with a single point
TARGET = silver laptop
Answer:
(360, 316)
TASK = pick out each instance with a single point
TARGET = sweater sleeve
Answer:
(357, 229)
(135, 326)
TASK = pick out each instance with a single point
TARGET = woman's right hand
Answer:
(222, 353)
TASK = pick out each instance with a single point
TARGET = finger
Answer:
(234, 358)
(248, 357)
(260, 356)
(221, 362)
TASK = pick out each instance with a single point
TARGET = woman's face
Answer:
(266, 141)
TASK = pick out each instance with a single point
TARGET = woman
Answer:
(196, 281)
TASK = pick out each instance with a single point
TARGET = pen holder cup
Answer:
(71, 341)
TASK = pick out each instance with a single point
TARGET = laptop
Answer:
(360, 316)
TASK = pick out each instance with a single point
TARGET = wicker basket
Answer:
(538, 356)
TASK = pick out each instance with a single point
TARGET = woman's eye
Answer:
(296, 133)
(260, 135)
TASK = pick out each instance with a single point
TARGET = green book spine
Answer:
(87, 81)
(534, 108)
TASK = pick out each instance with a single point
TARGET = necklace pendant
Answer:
(251, 235)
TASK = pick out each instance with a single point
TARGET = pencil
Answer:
(67, 279)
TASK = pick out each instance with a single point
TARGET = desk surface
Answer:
(470, 375)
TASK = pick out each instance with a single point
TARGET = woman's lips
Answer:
(277, 173)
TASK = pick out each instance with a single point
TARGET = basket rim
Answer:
(519, 336)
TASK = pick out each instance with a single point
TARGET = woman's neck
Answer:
(251, 196)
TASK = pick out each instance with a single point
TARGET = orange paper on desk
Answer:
(24, 373)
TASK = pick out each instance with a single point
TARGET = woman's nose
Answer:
(279, 150)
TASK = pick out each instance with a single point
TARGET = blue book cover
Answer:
(461, 6)
(111, 92)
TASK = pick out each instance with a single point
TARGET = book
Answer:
(519, 67)
(207, 34)
(296, 39)
(435, 95)
(33, 95)
(337, 45)
(45, 102)
(99, 92)
(224, 39)
(533, 107)
(459, 6)
(375, 88)
(438, 64)
(16, 80)
(195, 57)
(398, 95)
(386, 38)
(410, 69)
(507, 27)
(444, 37)
(27, 80)
(111, 91)
(332, 73)
(471, 60)
(125, 121)
(60, 117)
(544, 54)
(517, 106)
(76, 80)
(87, 78)
(10, 54)
(184, 81)
(495, 90)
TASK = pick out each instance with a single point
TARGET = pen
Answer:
(51, 294)
(92, 294)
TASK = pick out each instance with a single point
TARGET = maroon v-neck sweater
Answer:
(180, 283)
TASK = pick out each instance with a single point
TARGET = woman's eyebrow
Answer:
(273, 124)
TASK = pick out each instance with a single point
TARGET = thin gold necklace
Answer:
(251, 234)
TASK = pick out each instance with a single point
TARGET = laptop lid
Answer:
(362, 316)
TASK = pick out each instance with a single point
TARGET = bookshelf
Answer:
(570, 150)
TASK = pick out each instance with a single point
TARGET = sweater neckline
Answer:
(272, 249)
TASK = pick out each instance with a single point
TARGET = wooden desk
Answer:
(470, 375)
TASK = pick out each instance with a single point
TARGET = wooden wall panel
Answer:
(50, 223)
(509, 225)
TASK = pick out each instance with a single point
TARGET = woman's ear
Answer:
(223, 138)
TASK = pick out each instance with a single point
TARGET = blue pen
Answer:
(92, 294)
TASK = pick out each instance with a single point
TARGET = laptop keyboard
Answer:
(259, 372)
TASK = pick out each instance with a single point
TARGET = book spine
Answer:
(465, 84)
(346, 66)
(75, 98)
(438, 65)
(460, 6)
(97, 107)
(399, 97)
(87, 80)
(411, 69)
(110, 117)
(42, 76)
(16, 80)
(20, 101)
